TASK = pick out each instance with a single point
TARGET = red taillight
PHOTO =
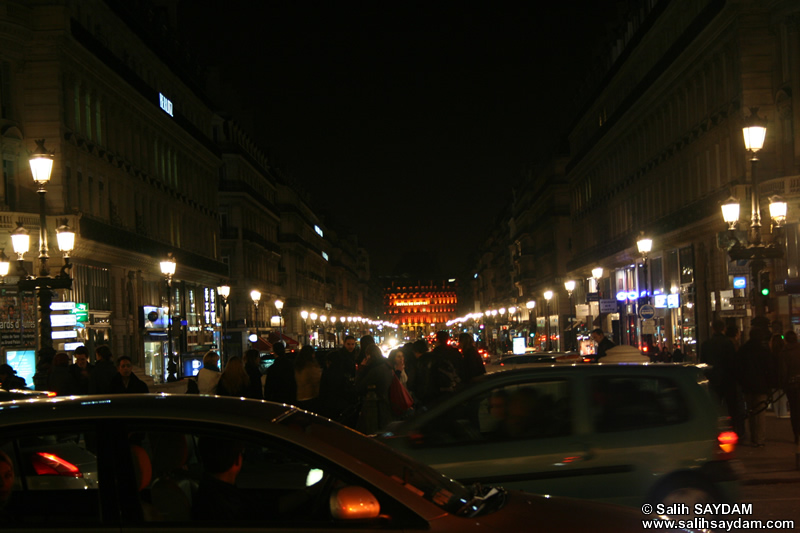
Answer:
(51, 394)
(48, 464)
(727, 441)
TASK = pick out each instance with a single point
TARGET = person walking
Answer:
(373, 381)
(252, 365)
(104, 371)
(719, 353)
(473, 364)
(81, 370)
(280, 385)
(125, 381)
(60, 379)
(208, 376)
(307, 375)
(780, 403)
(790, 359)
(9, 379)
(234, 380)
(603, 344)
(754, 377)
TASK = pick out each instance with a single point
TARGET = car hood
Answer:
(564, 514)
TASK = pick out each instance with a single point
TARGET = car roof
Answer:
(231, 411)
(675, 369)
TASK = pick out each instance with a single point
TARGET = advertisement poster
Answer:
(17, 320)
(24, 362)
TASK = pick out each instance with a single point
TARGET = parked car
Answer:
(626, 434)
(533, 359)
(298, 472)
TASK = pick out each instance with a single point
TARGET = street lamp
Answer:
(279, 307)
(324, 319)
(756, 251)
(645, 245)
(313, 317)
(224, 291)
(255, 295)
(168, 267)
(548, 295)
(41, 162)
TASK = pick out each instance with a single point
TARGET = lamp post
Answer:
(597, 273)
(548, 295)
(755, 250)
(41, 162)
(324, 319)
(569, 285)
(313, 317)
(304, 316)
(279, 307)
(224, 291)
(255, 295)
(168, 267)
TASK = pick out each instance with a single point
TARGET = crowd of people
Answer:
(64, 375)
(355, 385)
(750, 377)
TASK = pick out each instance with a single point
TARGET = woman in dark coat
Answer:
(252, 365)
(373, 380)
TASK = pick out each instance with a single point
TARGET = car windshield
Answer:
(420, 479)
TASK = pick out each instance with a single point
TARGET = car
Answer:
(294, 471)
(533, 359)
(628, 434)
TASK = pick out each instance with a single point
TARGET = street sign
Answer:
(738, 301)
(593, 297)
(733, 312)
(81, 312)
(647, 311)
(649, 327)
(608, 306)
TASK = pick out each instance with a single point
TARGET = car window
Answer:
(538, 409)
(208, 476)
(627, 403)
(55, 476)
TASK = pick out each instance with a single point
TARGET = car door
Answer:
(278, 486)
(518, 434)
(61, 478)
(638, 434)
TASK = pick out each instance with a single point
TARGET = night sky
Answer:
(408, 123)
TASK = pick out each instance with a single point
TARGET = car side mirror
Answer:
(354, 503)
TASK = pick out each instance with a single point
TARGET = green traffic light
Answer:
(765, 292)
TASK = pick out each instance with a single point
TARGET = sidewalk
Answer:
(775, 462)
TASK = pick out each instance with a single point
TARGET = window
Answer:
(519, 411)
(56, 477)
(632, 403)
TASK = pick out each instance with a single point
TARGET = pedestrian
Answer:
(790, 357)
(397, 362)
(365, 342)
(719, 353)
(46, 356)
(423, 359)
(208, 376)
(307, 375)
(337, 398)
(125, 381)
(373, 380)
(81, 370)
(60, 379)
(780, 403)
(234, 380)
(104, 371)
(754, 377)
(252, 365)
(677, 355)
(9, 379)
(348, 355)
(280, 385)
(473, 364)
(603, 344)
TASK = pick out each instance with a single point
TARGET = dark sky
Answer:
(408, 122)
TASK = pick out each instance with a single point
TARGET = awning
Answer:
(262, 345)
(274, 337)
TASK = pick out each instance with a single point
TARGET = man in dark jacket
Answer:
(280, 385)
(81, 370)
(603, 344)
(104, 371)
(125, 381)
(719, 353)
(754, 360)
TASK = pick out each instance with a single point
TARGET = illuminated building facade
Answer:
(420, 307)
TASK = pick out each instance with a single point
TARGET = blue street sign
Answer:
(647, 311)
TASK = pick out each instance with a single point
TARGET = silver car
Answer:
(273, 467)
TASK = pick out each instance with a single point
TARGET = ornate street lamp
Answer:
(279, 307)
(168, 267)
(755, 251)
(255, 295)
(224, 291)
(548, 295)
(645, 245)
(41, 162)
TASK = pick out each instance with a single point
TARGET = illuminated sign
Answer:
(660, 301)
(739, 282)
(324, 256)
(406, 303)
(70, 334)
(60, 321)
(165, 104)
(673, 301)
(62, 306)
(318, 230)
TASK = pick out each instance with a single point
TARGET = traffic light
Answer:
(764, 283)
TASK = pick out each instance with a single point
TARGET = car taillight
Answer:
(726, 442)
(51, 394)
(48, 464)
